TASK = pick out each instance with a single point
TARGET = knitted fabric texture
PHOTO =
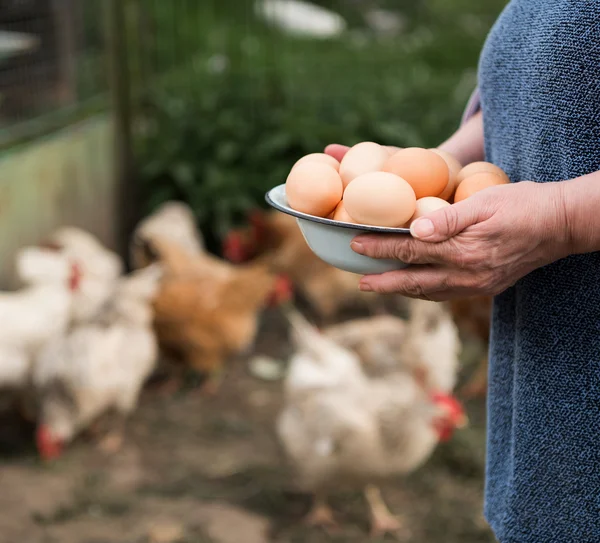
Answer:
(539, 90)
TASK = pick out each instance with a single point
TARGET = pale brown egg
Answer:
(454, 167)
(314, 188)
(428, 205)
(363, 158)
(426, 172)
(319, 157)
(475, 183)
(480, 167)
(380, 199)
(340, 214)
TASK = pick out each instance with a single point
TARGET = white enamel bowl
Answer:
(330, 240)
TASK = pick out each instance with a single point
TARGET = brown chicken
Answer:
(472, 316)
(208, 309)
(274, 238)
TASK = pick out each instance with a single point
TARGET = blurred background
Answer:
(110, 109)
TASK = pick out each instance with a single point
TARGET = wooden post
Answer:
(67, 25)
(128, 193)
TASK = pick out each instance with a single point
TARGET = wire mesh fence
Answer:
(52, 61)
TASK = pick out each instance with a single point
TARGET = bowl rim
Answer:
(312, 218)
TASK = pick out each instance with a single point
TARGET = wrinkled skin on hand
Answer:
(480, 246)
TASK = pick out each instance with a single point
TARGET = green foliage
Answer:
(219, 130)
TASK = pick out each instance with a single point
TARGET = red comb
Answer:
(233, 248)
(283, 290)
(258, 223)
(448, 400)
(48, 447)
(75, 277)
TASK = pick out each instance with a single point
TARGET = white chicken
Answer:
(100, 267)
(15, 368)
(433, 344)
(173, 221)
(42, 308)
(98, 365)
(340, 427)
(34, 314)
(428, 344)
(378, 341)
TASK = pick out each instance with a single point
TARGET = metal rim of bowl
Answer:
(299, 215)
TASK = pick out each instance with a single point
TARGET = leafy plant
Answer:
(221, 129)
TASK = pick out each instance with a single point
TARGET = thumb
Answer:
(447, 222)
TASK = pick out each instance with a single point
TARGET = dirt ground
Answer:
(209, 470)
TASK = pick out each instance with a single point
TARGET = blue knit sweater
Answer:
(539, 84)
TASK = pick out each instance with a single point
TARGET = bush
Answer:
(220, 131)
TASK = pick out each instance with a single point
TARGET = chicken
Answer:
(15, 369)
(472, 315)
(174, 221)
(100, 267)
(274, 238)
(378, 341)
(43, 308)
(207, 309)
(427, 345)
(98, 365)
(433, 344)
(341, 427)
(33, 315)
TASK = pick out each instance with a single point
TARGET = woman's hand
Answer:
(482, 245)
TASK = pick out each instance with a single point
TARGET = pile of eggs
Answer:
(384, 186)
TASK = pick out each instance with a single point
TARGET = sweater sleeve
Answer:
(473, 106)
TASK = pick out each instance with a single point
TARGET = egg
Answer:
(340, 213)
(363, 158)
(391, 149)
(380, 199)
(426, 172)
(480, 167)
(475, 183)
(454, 167)
(319, 157)
(428, 205)
(314, 188)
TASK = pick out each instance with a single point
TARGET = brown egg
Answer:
(340, 214)
(363, 158)
(319, 157)
(380, 199)
(475, 183)
(428, 205)
(426, 172)
(480, 167)
(314, 188)
(454, 167)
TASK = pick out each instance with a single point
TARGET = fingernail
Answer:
(357, 247)
(422, 228)
(365, 287)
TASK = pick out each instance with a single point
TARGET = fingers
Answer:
(409, 250)
(436, 284)
(336, 151)
(418, 282)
